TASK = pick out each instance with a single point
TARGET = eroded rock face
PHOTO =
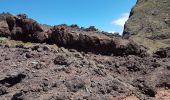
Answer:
(149, 21)
(149, 16)
(92, 41)
(4, 29)
(21, 28)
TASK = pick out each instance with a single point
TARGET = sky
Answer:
(106, 15)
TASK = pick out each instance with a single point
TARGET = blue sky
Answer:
(107, 15)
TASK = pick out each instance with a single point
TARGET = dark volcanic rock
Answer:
(149, 23)
(91, 28)
(163, 52)
(68, 74)
(149, 16)
(93, 41)
(4, 28)
(75, 84)
(21, 28)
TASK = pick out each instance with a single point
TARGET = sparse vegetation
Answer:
(152, 45)
(140, 7)
(3, 39)
(54, 46)
(23, 43)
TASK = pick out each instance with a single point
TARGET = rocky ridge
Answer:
(149, 24)
(21, 27)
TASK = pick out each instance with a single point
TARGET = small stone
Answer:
(13, 65)
(46, 48)
(3, 90)
(1, 45)
(100, 72)
(78, 55)
(12, 74)
(61, 60)
(28, 55)
(100, 66)
(168, 67)
(7, 58)
(7, 46)
(19, 46)
(40, 65)
(72, 50)
(40, 49)
(34, 64)
(117, 64)
(35, 47)
(75, 84)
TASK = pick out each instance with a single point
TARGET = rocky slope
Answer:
(149, 23)
(40, 62)
(42, 72)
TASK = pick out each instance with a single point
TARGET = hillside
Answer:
(149, 24)
(61, 62)
(48, 72)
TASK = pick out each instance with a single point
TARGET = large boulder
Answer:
(21, 28)
(149, 24)
(4, 28)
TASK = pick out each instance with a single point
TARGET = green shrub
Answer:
(54, 46)
(23, 43)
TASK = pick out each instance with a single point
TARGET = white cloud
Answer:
(121, 21)
(111, 31)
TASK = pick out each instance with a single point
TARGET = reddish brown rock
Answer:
(91, 41)
(21, 28)
(4, 29)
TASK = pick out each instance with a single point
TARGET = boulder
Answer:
(21, 28)
(4, 28)
(163, 52)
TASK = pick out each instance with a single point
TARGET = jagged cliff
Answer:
(149, 23)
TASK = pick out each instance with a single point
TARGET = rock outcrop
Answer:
(90, 39)
(93, 41)
(149, 23)
(4, 28)
(21, 28)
